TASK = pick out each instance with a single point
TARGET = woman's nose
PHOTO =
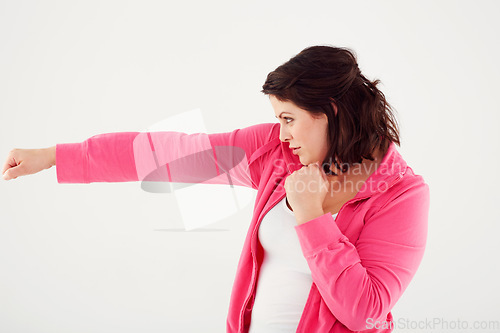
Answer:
(284, 134)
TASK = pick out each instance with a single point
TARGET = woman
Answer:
(340, 220)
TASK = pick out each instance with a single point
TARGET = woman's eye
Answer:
(286, 118)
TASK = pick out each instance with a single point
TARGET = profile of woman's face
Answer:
(300, 129)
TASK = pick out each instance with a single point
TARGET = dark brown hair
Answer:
(321, 75)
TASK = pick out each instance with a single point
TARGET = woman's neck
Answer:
(358, 171)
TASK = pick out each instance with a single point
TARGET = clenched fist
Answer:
(306, 190)
(22, 162)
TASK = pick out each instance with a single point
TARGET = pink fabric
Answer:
(361, 263)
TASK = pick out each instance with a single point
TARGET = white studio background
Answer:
(105, 257)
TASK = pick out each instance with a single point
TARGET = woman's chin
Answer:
(304, 160)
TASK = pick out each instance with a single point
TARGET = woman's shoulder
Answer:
(408, 190)
(271, 142)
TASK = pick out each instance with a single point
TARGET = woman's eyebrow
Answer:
(282, 113)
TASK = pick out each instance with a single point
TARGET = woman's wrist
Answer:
(51, 153)
(303, 217)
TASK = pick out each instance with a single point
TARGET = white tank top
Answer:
(284, 279)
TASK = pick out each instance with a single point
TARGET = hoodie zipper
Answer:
(254, 258)
(253, 237)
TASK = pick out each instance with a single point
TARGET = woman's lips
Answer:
(295, 150)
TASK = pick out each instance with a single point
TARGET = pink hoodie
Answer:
(361, 263)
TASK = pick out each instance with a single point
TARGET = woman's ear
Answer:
(334, 106)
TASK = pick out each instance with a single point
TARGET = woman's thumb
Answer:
(10, 174)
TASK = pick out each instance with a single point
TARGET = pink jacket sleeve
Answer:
(365, 281)
(219, 158)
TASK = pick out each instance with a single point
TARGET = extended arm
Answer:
(219, 158)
